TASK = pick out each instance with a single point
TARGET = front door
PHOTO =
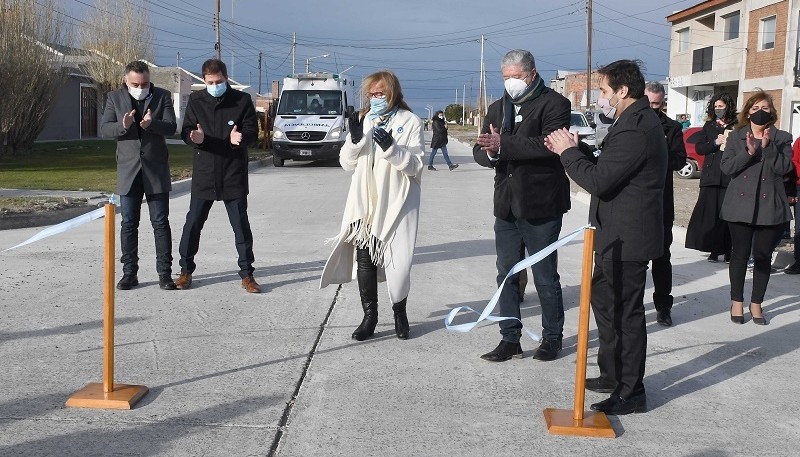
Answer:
(88, 112)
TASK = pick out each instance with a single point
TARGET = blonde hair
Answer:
(744, 115)
(394, 94)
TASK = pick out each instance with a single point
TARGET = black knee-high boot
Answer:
(368, 288)
(400, 319)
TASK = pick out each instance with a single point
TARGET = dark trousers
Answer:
(131, 210)
(535, 234)
(196, 218)
(662, 274)
(760, 240)
(618, 306)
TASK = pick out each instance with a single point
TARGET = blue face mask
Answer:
(378, 106)
(217, 90)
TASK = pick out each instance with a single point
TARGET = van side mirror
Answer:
(348, 113)
(592, 125)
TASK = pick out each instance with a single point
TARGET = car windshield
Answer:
(577, 120)
(325, 102)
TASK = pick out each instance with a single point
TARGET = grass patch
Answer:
(27, 204)
(75, 165)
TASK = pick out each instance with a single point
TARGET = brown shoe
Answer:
(250, 285)
(184, 281)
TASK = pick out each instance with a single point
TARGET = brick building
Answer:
(572, 84)
(736, 46)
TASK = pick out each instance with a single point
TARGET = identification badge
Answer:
(230, 122)
(518, 118)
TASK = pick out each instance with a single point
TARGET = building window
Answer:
(731, 26)
(766, 31)
(683, 40)
(702, 58)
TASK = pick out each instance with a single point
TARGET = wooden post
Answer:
(576, 422)
(108, 395)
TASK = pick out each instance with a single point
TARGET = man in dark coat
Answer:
(140, 115)
(676, 149)
(531, 195)
(626, 183)
(439, 141)
(220, 123)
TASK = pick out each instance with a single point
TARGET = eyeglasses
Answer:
(376, 95)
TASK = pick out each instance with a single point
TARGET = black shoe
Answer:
(548, 350)
(792, 269)
(504, 351)
(165, 282)
(452, 166)
(713, 258)
(128, 282)
(430, 167)
(664, 318)
(727, 258)
(757, 320)
(618, 406)
(400, 320)
(601, 385)
(736, 319)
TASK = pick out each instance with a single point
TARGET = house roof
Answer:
(697, 10)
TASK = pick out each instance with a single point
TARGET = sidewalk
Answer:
(277, 374)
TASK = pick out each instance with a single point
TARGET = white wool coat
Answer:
(397, 173)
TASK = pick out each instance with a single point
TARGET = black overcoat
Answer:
(676, 149)
(707, 147)
(529, 180)
(439, 138)
(219, 170)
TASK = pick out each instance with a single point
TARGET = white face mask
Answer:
(139, 93)
(605, 106)
(515, 87)
(441, 116)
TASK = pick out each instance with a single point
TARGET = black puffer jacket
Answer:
(439, 138)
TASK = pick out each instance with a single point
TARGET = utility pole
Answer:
(456, 101)
(178, 60)
(588, 54)
(217, 45)
(233, 37)
(481, 89)
(259, 72)
(463, 106)
(294, 49)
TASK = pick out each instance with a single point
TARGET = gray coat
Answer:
(756, 194)
(137, 148)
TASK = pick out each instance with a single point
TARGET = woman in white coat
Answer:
(384, 151)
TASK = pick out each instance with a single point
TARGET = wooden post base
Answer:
(124, 396)
(561, 422)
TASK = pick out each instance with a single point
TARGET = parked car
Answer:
(602, 123)
(694, 161)
(586, 133)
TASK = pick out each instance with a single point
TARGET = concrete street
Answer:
(234, 374)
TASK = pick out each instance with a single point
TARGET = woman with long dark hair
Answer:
(384, 150)
(439, 141)
(757, 156)
(707, 232)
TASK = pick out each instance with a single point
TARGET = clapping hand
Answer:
(560, 140)
(146, 120)
(751, 143)
(197, 136)
(127, 119)
(236, 136)
(490, 142)
(765, 138)
(383, 138)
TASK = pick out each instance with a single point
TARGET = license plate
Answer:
(305, 152)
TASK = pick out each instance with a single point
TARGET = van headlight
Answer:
(277, 133)
(335, 133)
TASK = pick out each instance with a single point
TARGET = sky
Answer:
(433, 46)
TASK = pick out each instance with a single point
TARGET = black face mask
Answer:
(760, 117)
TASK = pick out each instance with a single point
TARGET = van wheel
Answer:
(688, 171)
(277, 161)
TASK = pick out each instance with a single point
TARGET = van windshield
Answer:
(324, 102)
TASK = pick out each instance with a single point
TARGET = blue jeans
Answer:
(444, 153)
(131, 210)
(534, 234)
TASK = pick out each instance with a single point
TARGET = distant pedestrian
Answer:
(439, 141)
(707, 232)
(794, 268)
(531, 195)
(757, 156)
(426, 121)
(220, 123)
(140, 115)
(379, 226)
(685, 122)
(676, 159)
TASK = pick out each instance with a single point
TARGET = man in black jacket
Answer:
(531, 195)
(140, 115)
(662, 267)
(219, 123)
(626, 183)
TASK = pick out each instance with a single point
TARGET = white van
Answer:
(310, 118)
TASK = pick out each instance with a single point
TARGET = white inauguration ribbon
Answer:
(68, 225)
(485, 315)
